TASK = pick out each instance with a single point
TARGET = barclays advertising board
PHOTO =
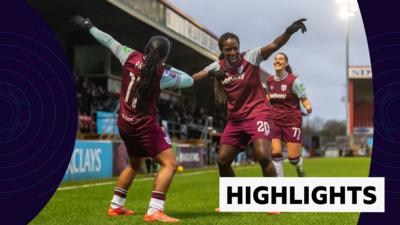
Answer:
(90, 159)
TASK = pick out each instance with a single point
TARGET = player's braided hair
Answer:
(156, 50)
(220, 95)
(288, 68)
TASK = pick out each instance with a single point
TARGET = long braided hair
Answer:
(220, 95)
(155, 52)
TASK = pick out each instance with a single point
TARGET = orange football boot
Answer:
(121, 211)
(160, 217)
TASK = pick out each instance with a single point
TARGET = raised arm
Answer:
(212, 70)
(200, 75)
(269, 49)
(120, 51)
(173, 77)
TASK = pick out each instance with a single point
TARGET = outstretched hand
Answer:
(297, 25)
(82, 23)
(218, 74)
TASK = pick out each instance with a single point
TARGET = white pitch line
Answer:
(85, 186)
(137, 180)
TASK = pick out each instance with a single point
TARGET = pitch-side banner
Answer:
(302, 194)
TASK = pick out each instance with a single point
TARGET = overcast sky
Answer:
(318, 56)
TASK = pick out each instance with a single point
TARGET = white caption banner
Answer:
(250, 194)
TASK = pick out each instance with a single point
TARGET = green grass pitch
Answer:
(192, 198)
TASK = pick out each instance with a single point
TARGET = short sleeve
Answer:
(213, 66)
(175, 78)
(253, 56)
(298, 89)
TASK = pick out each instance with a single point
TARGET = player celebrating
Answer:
(238, 84)
(143, 77)
(285, 92)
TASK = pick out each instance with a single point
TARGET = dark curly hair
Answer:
(220, 95)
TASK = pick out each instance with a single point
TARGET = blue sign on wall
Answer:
(106, 122)
(90, 159)
(370, 142)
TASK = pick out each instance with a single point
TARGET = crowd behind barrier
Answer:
(185, 119)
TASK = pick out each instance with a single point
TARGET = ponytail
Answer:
(147, 82)
(288, 69)
(156, 50)
(220, 95)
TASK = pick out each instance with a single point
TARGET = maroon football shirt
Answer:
(129, 118)
(245, 95)
(285, 104)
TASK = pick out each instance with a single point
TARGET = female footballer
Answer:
(237, 84)
(285, 93)
(143, 77)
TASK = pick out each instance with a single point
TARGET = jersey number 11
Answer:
(130, 93)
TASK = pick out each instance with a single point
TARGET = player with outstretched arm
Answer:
(237, 83)
(143, 77)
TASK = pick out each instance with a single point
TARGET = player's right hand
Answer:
(82, 23)
(218, 74)
(297, 25)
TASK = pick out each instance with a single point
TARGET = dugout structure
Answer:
(361, 109)
(132, 23)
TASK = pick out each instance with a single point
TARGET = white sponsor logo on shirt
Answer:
(130, 119)
(277, 96)
(232, 79)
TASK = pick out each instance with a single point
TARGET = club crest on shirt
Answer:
(283, 87)
(271, 87)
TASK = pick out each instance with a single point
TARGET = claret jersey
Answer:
(245, 94)
(284, 94)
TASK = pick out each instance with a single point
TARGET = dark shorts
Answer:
(148, 141)
(286, 133)
(240, 133)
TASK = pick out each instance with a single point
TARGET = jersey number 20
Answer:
(263, 127)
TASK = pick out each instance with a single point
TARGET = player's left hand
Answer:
(218, 74)
(83, 23)
(297, 25)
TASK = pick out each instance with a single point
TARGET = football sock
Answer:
(277, 160)
(298, 162)
(119, 198)
(157, 202)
